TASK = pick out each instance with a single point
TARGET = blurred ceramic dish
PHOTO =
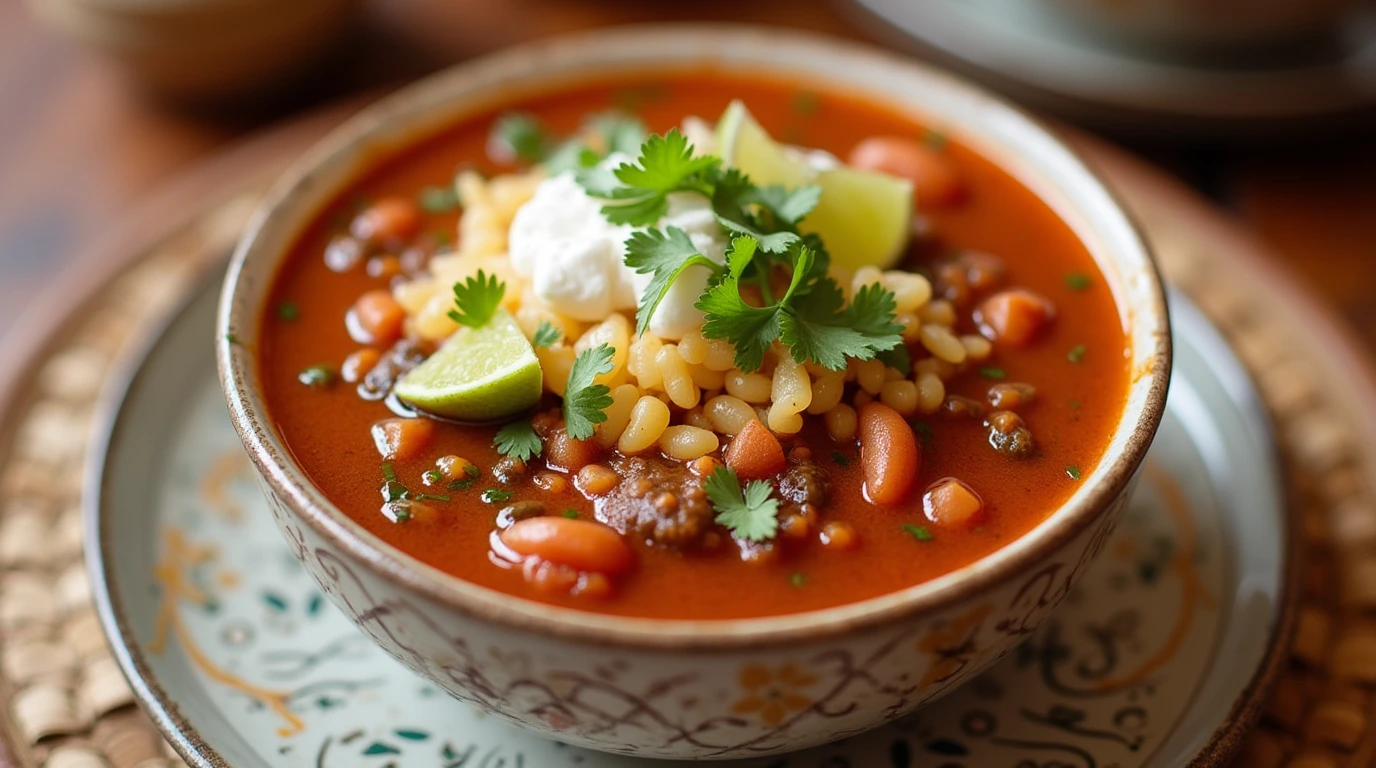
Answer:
(870, 661)
(1202, 25)
(239, 660)
(203, 50)
(1029, 52)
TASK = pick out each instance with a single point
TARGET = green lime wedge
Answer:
(478, 374)
(864, 217)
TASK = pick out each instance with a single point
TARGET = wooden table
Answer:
(80, 148)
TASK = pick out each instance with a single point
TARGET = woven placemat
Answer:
(69, 707)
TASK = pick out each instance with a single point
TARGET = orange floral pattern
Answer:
(773, 693)
(952, 646)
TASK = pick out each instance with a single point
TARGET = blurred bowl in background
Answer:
(1206, 26)
(204, 50)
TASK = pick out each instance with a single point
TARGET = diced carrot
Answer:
(402, 439)
(357, 365)
(379, 317)
(755, 453)
(888, 454)
(580, 544)
(1015, 318)
(936, 181)
(951, 503)
(390, 218)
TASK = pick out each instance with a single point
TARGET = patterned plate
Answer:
(241, 661)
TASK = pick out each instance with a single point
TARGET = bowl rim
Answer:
(237, 362)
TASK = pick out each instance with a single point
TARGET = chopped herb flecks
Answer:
(1076, 353)
(388, 472)
(231, 338)
(923, 430)
(918, 532)
(432, 477)
(797, 579)
(471, 473)
(496, 496)
(1074, 405)
(288, 311)
(934, 139)
(993, 373)
(839, 458)
(571, 513)
(1073, 472)
(806, 102)
(434, 496)
(1077, 281)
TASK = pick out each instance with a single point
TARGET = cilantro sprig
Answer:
(812, 316)
(518, 440)
(586, 403)
(666, 164)
(750, 513)
(476, 299)
(547, 335)
(664, 254)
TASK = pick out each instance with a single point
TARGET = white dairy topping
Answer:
(574, 257)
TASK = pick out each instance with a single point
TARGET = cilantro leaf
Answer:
(665, 254)
(816, 331)
(733, 196)
(547, 335)
(517, 136)
(518, 441)
(750, 329)
(476, 299)
(585, 403)
(752, 515)
(770, 242)
(666, 164)
(601, 135)
(789, 207)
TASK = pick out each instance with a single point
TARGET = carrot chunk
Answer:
(755, 453)
(379, 318)
(888, 454)
(390, 218)
(402, 439)
(579, 544)
(1015, 318)
(951, 503)
(936, 182)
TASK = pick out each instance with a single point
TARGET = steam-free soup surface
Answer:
(1077, 366)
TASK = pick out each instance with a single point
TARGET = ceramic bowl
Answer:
(697, 689)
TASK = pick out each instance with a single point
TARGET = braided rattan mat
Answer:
(69, 707)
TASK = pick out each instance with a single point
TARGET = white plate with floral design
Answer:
(1156, 659)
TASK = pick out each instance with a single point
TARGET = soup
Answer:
(593, 350)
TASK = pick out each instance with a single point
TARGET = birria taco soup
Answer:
(694, 346)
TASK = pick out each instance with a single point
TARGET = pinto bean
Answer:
(888, 454)
(580, 544)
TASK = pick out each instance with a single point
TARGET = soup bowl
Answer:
(703, 689)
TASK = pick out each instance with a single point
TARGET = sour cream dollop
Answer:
(575, 258)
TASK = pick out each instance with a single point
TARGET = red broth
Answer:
(1079, 368)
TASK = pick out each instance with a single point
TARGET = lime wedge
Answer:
(863, 217)
(478, 374)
